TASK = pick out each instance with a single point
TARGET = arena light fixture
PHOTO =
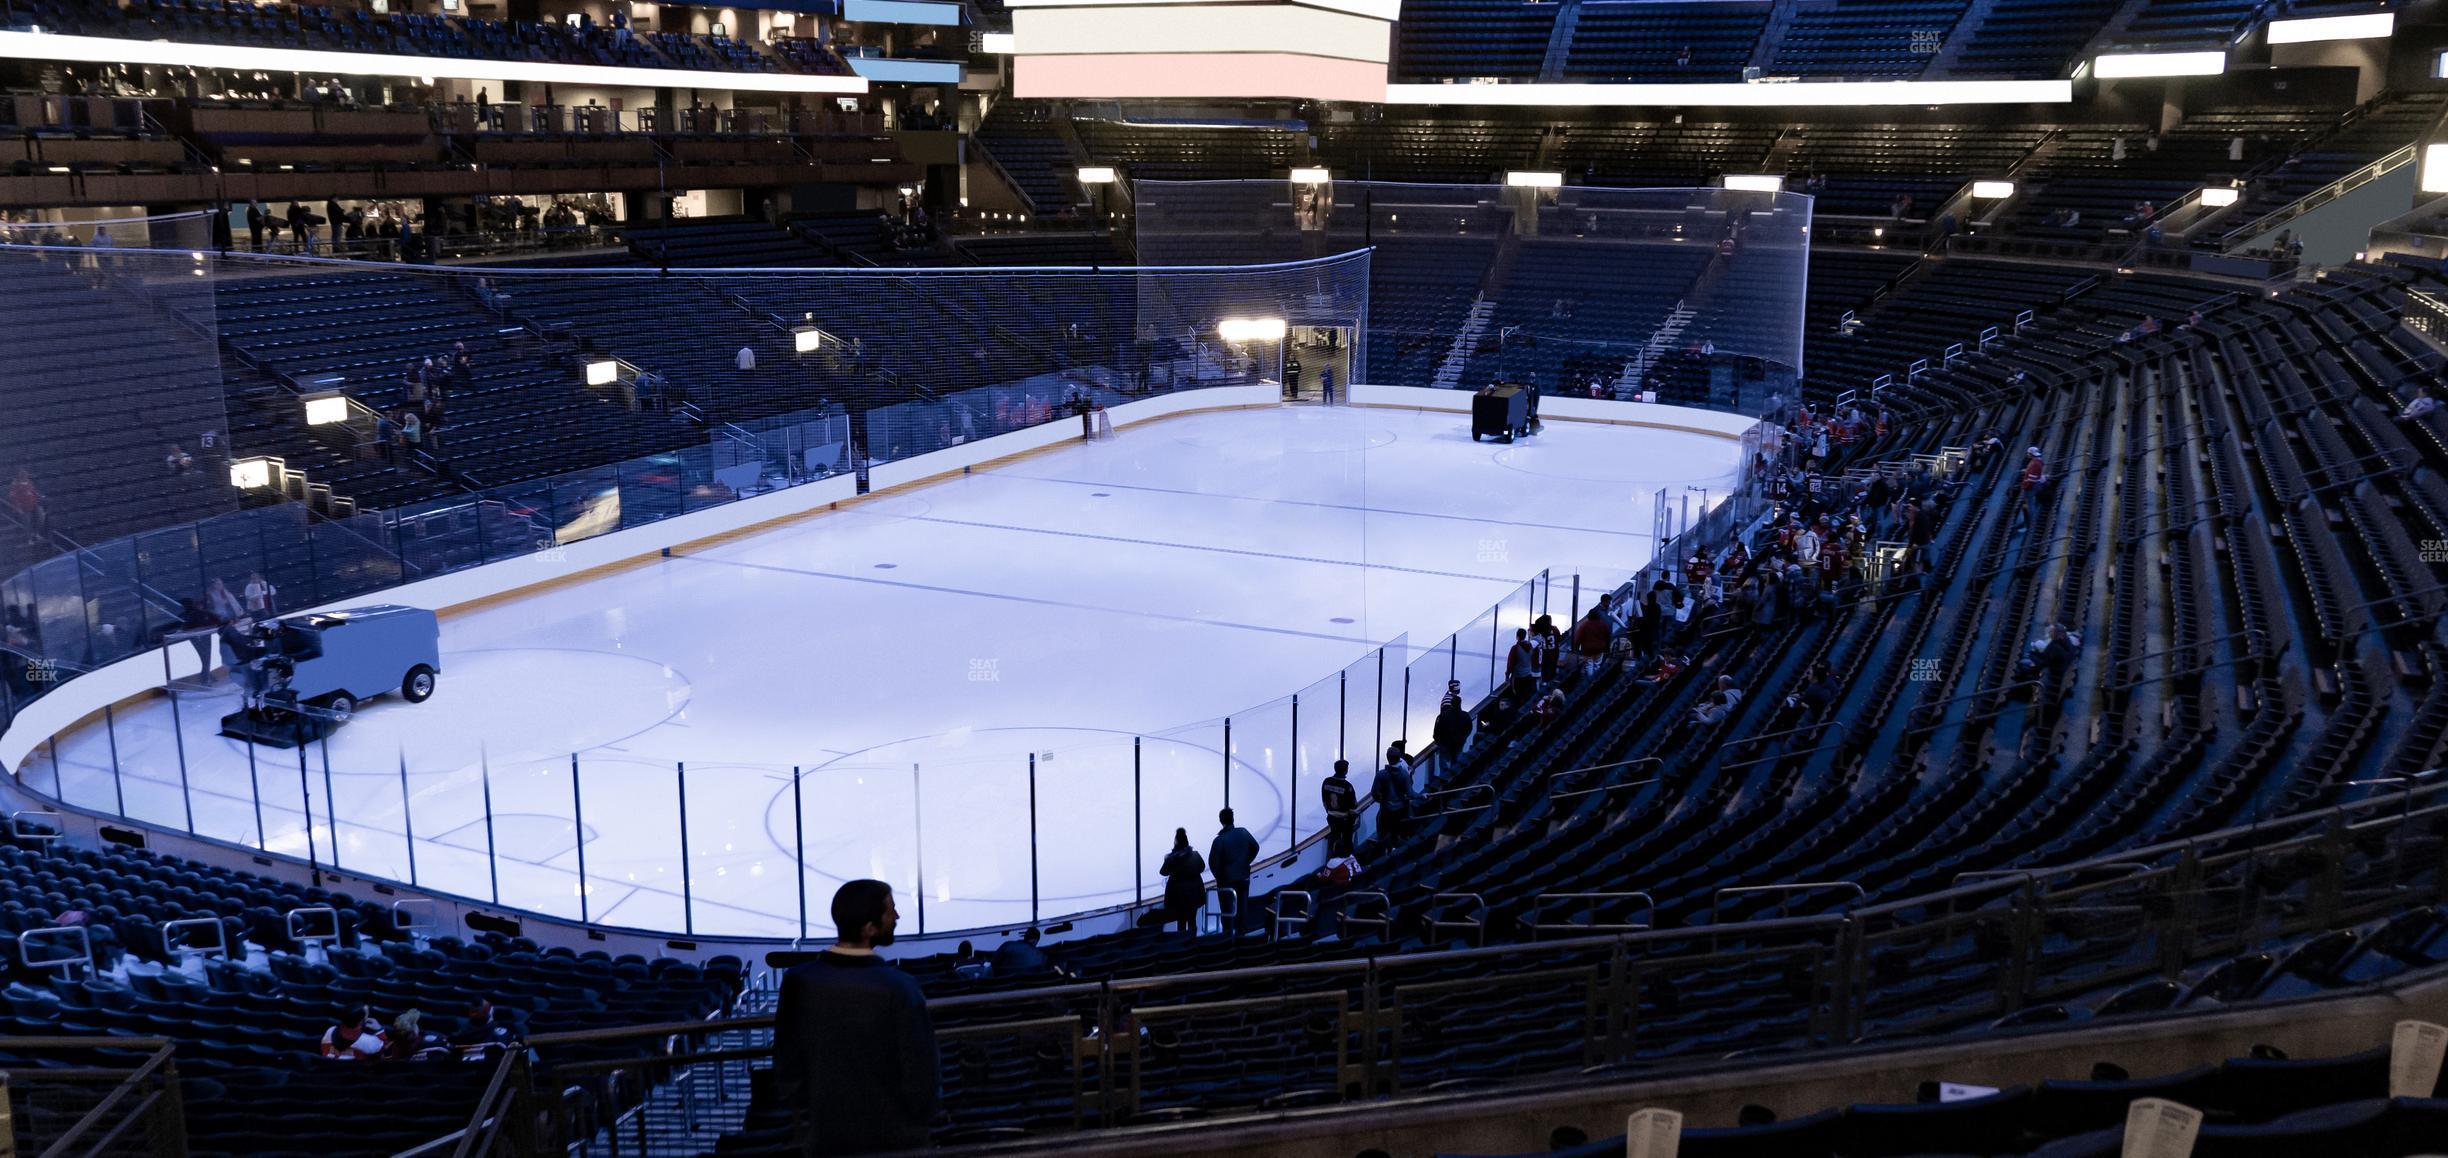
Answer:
(2218, 196)
(1387, 10)
(602, 372)
(1738, 94)
(2361, 26)
(806, 340)
(1992, 190)
(1096, 175)
(327, 409)
(1533, 179)
(1755, 182)
(1251, 329)
(251, 474)
(2131, 65)
(2435, 168)
(72, 49)
(1311, 177)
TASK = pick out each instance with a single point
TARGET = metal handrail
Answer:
(2036, 875)
(485, 1122)
(1277, 918)
(103, 1110)
(1538, 906)
(1475, 922)
(405, 908)
(1580, 792)
(1483, 787)
(1717, 900)
(33, 939)
(1358, 897)
(2319, 197)
(296, 934)
(173, 942)
(19, 830)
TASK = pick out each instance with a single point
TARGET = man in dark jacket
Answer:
(854, 1049)
(1392, 792)
(1021, 958)
(1231, 857)
(1453, 732)
(1342, 809)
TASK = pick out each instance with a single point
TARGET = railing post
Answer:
(1227, 762)
(1342, 710)
(918, 842)
(2183, 913)
(331, 806)
(688, 891)
(799, 848)
(1406, 708)
(1380, 713)
(1848, 964)
(484, 766)
(1032, 787)
(110, 731)
(254, 789)
(1139, 834)
(178, 736)
(2028, 926)
(306, 803)
(1623, 1006)
(1496, 626)
(407, 818)
(1294, 807)
(2331, 884)
(578, 833)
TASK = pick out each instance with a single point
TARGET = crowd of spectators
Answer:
(485, 1032)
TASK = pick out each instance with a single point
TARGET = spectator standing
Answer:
(1392, 792)
(1231, 856)
(1454, 726)
(223, 605)
(854, 1048)
(1592, 635)
(1185, 883)
(198, 624)
(2035, 476)
(1342, 810)
(259, 594)
(25, 499)
(1521, 670)
(257, 217)
(747, 359)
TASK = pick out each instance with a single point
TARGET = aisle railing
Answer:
(1966, 955)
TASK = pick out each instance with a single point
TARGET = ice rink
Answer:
(1101, 606)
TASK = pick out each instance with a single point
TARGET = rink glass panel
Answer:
(1696, 294)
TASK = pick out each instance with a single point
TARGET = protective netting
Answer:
(1693, 295)
(112, 421)
(387, 422)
